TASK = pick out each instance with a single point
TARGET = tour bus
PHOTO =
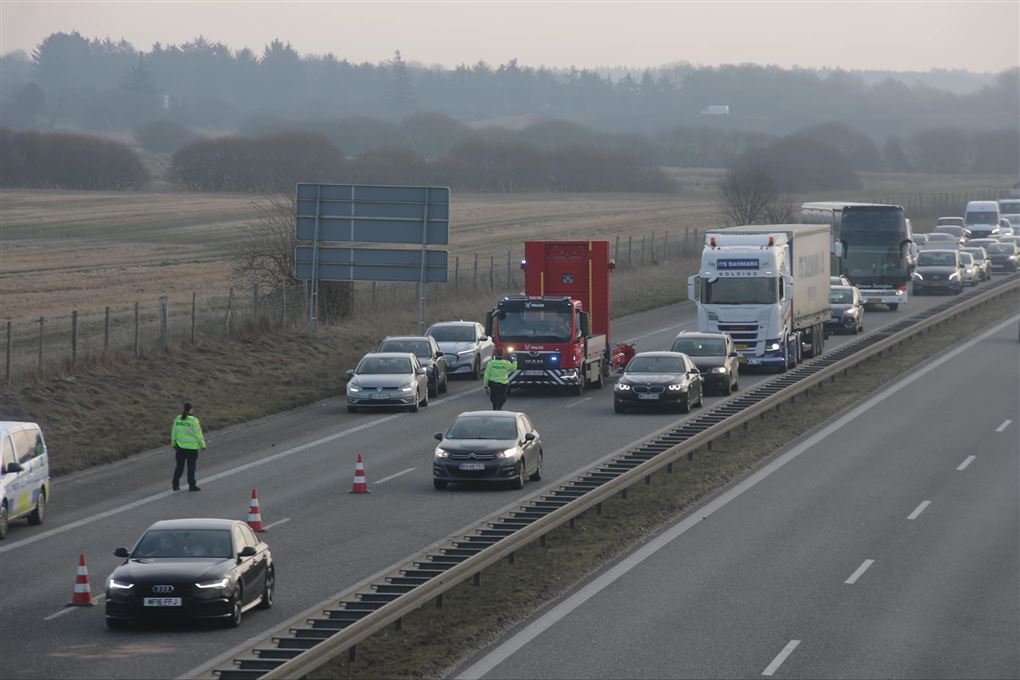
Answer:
(878, 252)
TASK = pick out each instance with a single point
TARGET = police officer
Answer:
(186, 438)
(497, 378)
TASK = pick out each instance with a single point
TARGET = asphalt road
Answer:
(324, 540)
(885, 545)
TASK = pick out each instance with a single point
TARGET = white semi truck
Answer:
(767, 286)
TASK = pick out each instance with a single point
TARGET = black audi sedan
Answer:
(213, 569)
(714, 355)
(488, 446)
(659, 379)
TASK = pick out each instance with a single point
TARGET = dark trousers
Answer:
(189, 456)
(497, 394)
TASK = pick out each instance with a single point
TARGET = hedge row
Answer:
(63, 160)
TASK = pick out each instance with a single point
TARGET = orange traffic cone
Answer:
(360, 485)
(254, 514)
(82, 593)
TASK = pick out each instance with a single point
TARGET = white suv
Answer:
(24, 474)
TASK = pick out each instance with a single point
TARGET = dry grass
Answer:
(431, 642)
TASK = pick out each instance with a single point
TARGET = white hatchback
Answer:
(24, 474)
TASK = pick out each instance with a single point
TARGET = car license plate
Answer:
(536, 373)
(472, 466)
(647, 395)
(874, 301)
(162, 602)
(379, 395)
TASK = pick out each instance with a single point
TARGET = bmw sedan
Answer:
(659, 379)
(488, 446)
(213, 569)
(388, 379)
(714, 355)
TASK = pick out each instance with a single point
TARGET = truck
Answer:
(767, 286)
(558, 329)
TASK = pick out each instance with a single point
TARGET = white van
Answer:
(24, 474)
(982, 218)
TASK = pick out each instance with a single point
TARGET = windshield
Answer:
(452, 333)
(975, 253)
(185, 543)
(741, 291)
(656, 365)
(1009, 205)
(700, 347)
(873, 226)
(983, 217)
(941, 237)
(951, 229)
(419, 348)
(950, 220)
(394, 365)
(966, 259)
(1007, 248)
(864, 263)
(936, 258)
(483, 427)
(841, 296)
(535, 325)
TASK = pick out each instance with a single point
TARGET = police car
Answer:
(24, 474)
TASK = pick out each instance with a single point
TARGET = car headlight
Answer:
(719, 369)
(114, 584)
(623, 387)
(218, 583)
(850, 312)
(774, 347)
(507, 453)
(442, 453)
(351, 387)
(955, 276)
(409, 387)
(510, 350)
(676, 387)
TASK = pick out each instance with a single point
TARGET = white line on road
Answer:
(631, 341)
(276, 523)
(780, 657)
(860, 572)
(918, 510)
(395, 475)
(579, 402)
(531, 631)
(68, 609)
(966, 461)
(1004, 425)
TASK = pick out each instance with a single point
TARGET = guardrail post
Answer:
(669, 467)
(573, 522)
(648, 480)
(398, 625)
(623, 494)
(598, 509)
(512, 557)
(477, 579)
(439, 601)
(352, 654)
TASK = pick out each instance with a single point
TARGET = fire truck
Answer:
(558, 330)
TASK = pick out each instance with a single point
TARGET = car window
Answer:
(700, 347)
(249, 536)
(8, 452)
(239, 541)
(641, 364)
(184, 543)
(482, 427)
(385, 365)
(25, 444)
(527, 423)
(421, 348)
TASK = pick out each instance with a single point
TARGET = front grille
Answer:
(654, 389)
(740, 331)
(472, 456)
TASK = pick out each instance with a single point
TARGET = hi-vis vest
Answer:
(498, 371)
(187, 433)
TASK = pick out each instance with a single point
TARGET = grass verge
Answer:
(431, 641)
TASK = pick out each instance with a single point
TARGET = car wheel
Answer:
(600, 381)
(727, 389)
(439, 483)
(685, 405)
(701, 397)
(39, 514)
(267, 593)
(413, 408)
(3, 521)
(736, 385)
(236, 609)
(352, 409)
(578, 389)
(425, 400)
(476, 369)
(518, 482)
(116, 624)
(893, 306)
(619, 408)
(537, 474)
(433, 389)
(445, 384)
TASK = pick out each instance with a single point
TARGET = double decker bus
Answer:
(878, 252)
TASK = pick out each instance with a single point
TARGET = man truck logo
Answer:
(737, 264)
(568, 278)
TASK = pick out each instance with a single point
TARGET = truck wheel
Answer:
(578, 389)
(893, 306)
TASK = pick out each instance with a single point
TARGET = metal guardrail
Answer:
(308, 641)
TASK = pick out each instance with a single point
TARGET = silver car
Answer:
(971, 270)
(388, 379)
(465, 345)
(981, 261)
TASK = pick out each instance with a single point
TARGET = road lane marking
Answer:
(579, 402)
(68, 609)
(860, 572)
(276, 523)
(781, 657)
(918, 510)
(395, 475)
(631, 341)
(555, 614)
(1004, 425)
(966, 461)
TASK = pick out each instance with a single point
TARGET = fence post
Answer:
(194, 315)
(283, 305)
(106, 331)
(476, 270)
(230, 305)
(456, 273)
(630, 250)
(255, 301)
(508, 269)
(642, 248)
(687, 238)
(7, 358)
(42, 324)
(492, 272)
(616, 249)
(74, 338)
(665, 246)
(164, 317)
(137, 347)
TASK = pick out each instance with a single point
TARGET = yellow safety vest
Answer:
(498, 371)
(187, 433)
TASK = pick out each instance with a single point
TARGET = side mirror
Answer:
(530, 437)
(733, 355)
(349, 373)
(420, 371)
(483, 338)
(14, 467)
(121, 552)
(837, 249)
(247, 551)
(439, 355)
(438, 436)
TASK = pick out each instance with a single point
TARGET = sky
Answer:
(980, 36)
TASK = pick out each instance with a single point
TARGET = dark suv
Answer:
(429, 355)
(938, 271)
(714, 355)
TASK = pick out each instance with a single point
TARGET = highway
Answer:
(886, 544)
(324, 540)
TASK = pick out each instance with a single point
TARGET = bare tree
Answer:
(749, 194)
(265, 253)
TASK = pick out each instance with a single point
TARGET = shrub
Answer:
(800, 164)
(163, 136)
(67, 161)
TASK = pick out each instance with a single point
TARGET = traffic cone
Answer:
(360, 485)
(254, 514)
(82, 593)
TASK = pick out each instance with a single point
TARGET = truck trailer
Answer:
(767, 286)
(558, 330)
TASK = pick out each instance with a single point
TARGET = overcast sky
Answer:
(888, 35)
